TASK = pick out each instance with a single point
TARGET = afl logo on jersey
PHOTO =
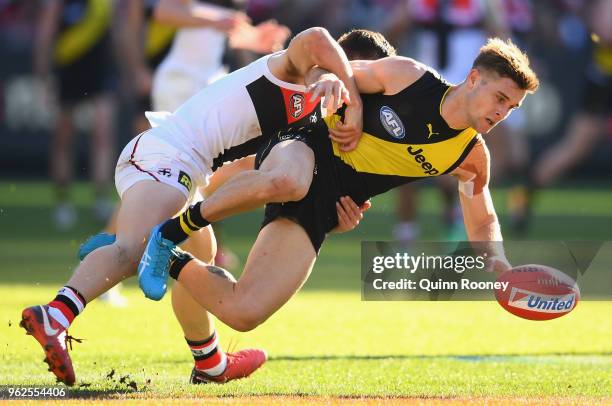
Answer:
(392, 123)
(297, 105)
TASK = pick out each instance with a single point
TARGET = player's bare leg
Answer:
(100, 270)
(271, 276)
(138, 213)
(193, 318)
(212, 364)
(284, 176)
(202, 244)
(228, 171)
(225, 257)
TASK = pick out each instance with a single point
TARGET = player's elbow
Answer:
(316, 39)
(316, 35)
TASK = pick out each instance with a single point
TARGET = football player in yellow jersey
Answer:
(286, 249)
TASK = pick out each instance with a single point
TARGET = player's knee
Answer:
(287, 187)
(300, 188)
(128, 255)
(247, 318)
(244, 324)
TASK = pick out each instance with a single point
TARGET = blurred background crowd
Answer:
(77, 75)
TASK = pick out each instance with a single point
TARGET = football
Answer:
(537, 292)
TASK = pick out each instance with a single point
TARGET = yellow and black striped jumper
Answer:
(404, 139)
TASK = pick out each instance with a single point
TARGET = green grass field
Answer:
(325, 345)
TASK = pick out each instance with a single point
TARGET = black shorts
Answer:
(90, 75)
(316, 212)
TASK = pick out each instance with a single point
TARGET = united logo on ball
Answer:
(538, 292)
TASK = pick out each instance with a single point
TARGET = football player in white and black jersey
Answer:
(159, 170)
(184, 43)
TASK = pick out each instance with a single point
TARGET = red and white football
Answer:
(537, 292)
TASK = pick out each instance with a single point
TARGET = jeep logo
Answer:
(392, 123)
(419, 158)
(297, 105)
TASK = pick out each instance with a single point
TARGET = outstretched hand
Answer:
(263, 38)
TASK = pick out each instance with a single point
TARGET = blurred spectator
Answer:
(73, 43)
(591, 122)
(196, 56)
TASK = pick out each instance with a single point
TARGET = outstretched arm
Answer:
(263, 38)
(188, 13)
(479, 215)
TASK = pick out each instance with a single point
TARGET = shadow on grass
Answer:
(458, 357)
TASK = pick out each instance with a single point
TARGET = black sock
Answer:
(178, 229)
(178, 263)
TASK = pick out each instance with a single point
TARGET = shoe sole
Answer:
(52, 358)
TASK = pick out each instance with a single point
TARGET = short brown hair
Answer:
(507, 60)
(365, 44)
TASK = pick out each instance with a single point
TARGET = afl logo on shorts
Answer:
(392, 123)
(297, 105)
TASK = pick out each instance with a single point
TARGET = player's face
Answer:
(491, 99)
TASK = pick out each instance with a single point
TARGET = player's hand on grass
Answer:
(331, 90)
(348, 133)
(349, 214)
